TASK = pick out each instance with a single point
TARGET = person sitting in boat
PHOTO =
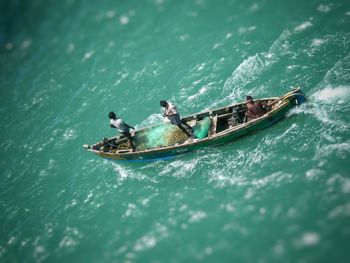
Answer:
(123, 128)
(255, 109)
(171, 113)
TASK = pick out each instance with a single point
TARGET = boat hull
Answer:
(224, 137)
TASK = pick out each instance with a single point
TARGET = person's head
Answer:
(163, 103)
(249, 99)
(112, 115)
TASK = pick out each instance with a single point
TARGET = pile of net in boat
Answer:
(201, 129)
(168, 135)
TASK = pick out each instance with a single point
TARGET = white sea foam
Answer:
(73, 203)
(70, 48)
(217, 45)
(187, 168)
(346, 186)
(279, 249)
(243, 30)
(26, 43)
(88, 198)
(228, 35)
(221, 179)
(12, 240)
(130, 210)
(254, 7)
(88, 55)
(249, 193)
(184, 37)
(71, 238)
(338, 75)
(271, 179)
(197, 216)
(324, 8)
(123, 173)
(324, 99)
(342, 150)
(317, 42)
(40, 254)
(303, 26)
(314, 173)
(201, 91)
(123, 19)
(276, 140)
(339, 94)
(248, 71)
(110, 14)
(228, 207)
(251, 67)
(145, 242)
(340, 211)
(70, 134)
(281, 45)
(310, 239)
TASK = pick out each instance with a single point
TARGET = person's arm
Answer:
(111, 124)
(127, 125)
(166, 112)
(265, 105)
(171, 110)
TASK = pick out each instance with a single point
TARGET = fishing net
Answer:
(201, 129)
(168, 135)
(159, 136)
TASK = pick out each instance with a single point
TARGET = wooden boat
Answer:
(226, 124)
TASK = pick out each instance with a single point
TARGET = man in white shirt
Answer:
(122, 127)
(171, 113)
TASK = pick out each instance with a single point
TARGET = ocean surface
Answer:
(279, 195)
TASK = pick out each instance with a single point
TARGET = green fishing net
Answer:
(201, 129)
(168, 135)
(159, 136)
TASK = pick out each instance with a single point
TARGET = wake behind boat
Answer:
(211, 127)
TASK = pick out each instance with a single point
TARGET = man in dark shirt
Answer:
(254, 109)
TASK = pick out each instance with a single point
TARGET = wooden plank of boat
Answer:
(220, 131)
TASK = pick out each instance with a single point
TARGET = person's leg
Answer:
(175, 120)
(184, 130)
(188, 126)
(128, 136)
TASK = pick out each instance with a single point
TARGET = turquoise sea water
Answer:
(279, 195)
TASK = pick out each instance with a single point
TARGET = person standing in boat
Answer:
(254, 109)
(123, 128)
(171, 113)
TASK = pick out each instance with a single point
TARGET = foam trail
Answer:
(251, 69)
(339, 73)
(247, 72)
(281, 44)
(332, 94)
(334, 86)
